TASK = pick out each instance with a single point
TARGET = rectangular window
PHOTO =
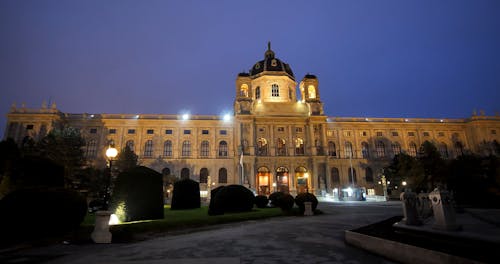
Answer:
(261, 129)
(364, 134)
(168, 131)
(131, 131)
(281, 129)
(329, 133)
(426, 134)
(493, 132)
(441, 134)
(411, 134)
(395, 134)
(223, 132)
(150, 131)
(379, 134)
(93, 130)
(204, 132)
(347, 133)
(299, 130)
(187, 132)
(112, 131)
(29, 127)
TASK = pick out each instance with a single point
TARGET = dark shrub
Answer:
(186, 195)
(285, 202)
(306, 197)
(274, 198)
(138, 195)
(232, 198)
(33, 213)
(261, 201)
(212, 210)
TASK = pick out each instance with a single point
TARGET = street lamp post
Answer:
(111, 153)
(101, 232)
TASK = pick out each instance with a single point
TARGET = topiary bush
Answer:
(186, 195)
(274, 198)
(212, 210)
(285, 202)
(261, 201)
(230, 199)
(40, 212)
(306, 197)
(138, 195)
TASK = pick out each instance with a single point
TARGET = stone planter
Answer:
(101, 234)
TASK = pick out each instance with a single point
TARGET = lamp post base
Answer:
(101, 234)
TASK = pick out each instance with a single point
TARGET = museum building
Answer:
(274, 141)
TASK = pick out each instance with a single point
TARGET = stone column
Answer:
(409, 199)
(442, 207)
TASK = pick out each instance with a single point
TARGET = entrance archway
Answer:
(263, 180)
(303, 179)
(282, 180)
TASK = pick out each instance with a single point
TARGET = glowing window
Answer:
(244, 90)
(223, 149)
(186, 148)
(275, 90)
(311, 91)
(205, 149)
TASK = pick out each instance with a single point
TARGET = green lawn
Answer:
(175, 220)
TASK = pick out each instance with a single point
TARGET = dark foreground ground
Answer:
(473, 248)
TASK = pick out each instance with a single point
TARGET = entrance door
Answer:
(282, 179)
(302, 177)
(263, 177)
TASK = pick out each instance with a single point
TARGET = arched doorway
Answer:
(185, 173)
(303, 181)
(282, 179)
(263, 178)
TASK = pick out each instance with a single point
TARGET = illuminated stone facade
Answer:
(282, 142)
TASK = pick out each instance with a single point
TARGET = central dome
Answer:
(271, 64)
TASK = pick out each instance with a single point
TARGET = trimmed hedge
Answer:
(274, 198)
(231, 199)
(286, 202)
(186, 195)
(40, 212)
(138, 195)
(306, 197)
(261, 201)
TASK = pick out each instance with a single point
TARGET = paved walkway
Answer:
(317, 239)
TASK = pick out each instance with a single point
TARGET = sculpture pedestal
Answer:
(101, 234)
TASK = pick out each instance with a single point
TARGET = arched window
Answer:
(205, 149)
(352, 176)
(299, 146)
(165, 171)
(244, 90)
(130, 145)
(91, 149)
(348, 150)
(186, 148)
(281, 147)
(335, 176)
(223, 149)
(365, 150)
(332, 151)
(369, 175)
(148, 149)
(222, 175)
(412, 149)
(257, 92)
(380, 147)
(311, 91)
(396, 148)
(275, 90)
(443, 150)
(459, 148)
(262, 147)
(204, 175)
(185, 173)
(167, 148)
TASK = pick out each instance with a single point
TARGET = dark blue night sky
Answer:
(421, 58)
